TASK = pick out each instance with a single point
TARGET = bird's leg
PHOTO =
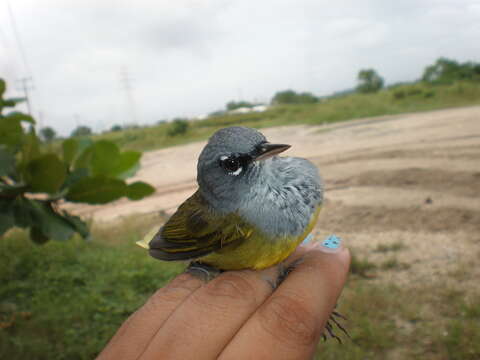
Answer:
(284, 270)
(203, 271)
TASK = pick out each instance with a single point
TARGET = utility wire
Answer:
(3, 39)
(18, 39)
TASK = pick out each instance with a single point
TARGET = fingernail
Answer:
(307, 240)
(331, 244)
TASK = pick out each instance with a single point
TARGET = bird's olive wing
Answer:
(195, 230)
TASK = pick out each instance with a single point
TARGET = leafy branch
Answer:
(34, 181)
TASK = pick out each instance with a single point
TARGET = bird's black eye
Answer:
(231, 164)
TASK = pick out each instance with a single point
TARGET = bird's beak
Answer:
(266, 150)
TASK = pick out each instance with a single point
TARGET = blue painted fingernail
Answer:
(307, 239)
(332, 242)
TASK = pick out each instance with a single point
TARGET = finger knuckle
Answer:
(233, 286)
(289, 320)
(180, 288)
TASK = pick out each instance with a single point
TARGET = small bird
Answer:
(252, 207)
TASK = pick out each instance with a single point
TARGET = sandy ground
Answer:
(412, 179)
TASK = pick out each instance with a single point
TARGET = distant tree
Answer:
(48, 134)
(216, 113)
(284, 97)
(306, 98)
(116, 127)
(369, 81)
(81, 130)
(232, 105)
(291, 97)
(177, 127)
(446, 71)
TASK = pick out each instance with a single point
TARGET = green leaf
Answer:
(70, 149)
(7, 219)
(37, 236)
(3, 87)
(11, 133)
(138, 190)
(74, 177)
(10, 191)
(30, 150)
(78, 224)
(97, 190)
(83, 161)
(46, 173)
(7, 162)
(128, 164)
(105, 158)
(51, 223)
(19, 116)
(38, 213)
(83, 143)
(12, 102)
(24, 212)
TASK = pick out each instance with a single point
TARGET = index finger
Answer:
(289, 324)
(135, 334)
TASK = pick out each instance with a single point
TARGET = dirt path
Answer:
(412, 179)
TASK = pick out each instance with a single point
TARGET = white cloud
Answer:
(191, 57)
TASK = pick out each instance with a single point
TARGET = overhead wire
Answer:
(18, 39)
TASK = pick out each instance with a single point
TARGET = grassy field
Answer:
(402, 99)
(65, 300)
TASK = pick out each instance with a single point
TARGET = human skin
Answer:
(238, 315)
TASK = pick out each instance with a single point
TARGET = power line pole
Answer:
(40, 119)
(126, 81)
(25, 86)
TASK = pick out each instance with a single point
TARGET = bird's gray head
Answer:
(231, 162)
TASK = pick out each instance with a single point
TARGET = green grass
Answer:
(393, 264)
(393, 322)
(396, 246)
(361, 267)
(370, 309)
(65, 300)
(403, 99)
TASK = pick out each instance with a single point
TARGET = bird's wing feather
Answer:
(194, 231)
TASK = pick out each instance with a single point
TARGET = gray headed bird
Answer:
(252, 207)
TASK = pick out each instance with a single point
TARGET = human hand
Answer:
(237, 315)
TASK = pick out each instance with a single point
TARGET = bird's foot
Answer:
(283, 271)
(333, 322)
(203, 271)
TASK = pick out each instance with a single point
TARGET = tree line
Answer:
(444, 71)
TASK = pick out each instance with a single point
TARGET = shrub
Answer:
(116, 128)
(177, 127)
(399, 94)
(81, 131)
(86, 172)
(369, 81)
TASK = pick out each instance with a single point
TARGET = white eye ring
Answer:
(233, 173)
(236, 172)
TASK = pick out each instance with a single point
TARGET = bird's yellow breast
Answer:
(258, 251)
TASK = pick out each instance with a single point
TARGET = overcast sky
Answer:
(187, 58)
